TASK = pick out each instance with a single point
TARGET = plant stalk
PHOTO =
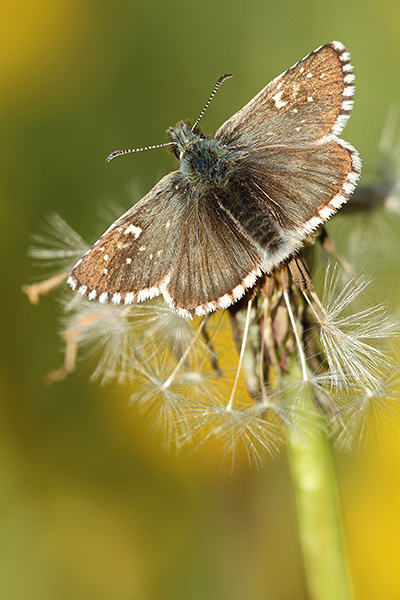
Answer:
(317, 506)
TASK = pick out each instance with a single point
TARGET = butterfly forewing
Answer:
(188, 257)
(295, 167)
(134, 257)
(310, 100)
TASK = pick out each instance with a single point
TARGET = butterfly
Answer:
(242, 203)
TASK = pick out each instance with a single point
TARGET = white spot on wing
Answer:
(225, 301)
(136, 231)
(338, 46)
(129, 298)
(116, 299)
(348, 91)
(347, 105)
(128, 261)
(72, 282)
(147, 294)
(250, 280)
(277, 98)
(238, 292)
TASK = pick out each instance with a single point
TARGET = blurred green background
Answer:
(90, 508)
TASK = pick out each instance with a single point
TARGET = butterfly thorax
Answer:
(202, 161)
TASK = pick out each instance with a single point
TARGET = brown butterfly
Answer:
(242, 203)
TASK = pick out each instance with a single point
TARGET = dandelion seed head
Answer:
(242, 382)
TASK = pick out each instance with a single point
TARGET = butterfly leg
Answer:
(329, 246)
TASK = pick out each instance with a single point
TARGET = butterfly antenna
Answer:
(129, 151)
(217, 85)
(118, 152)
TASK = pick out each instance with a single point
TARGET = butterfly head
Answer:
(202, 160)
(183, 137)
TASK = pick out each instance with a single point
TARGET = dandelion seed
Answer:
(58, 249)
(162, 406)
(301, 404)
(59, 244)
(163, 327)
(367, 409)
(244, 341)
(104, 332)
(233, 428)
(297, 336)
(349, 356)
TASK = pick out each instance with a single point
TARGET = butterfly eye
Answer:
(199, 164)
(199, 134)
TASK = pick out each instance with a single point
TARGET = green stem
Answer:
(319, 522)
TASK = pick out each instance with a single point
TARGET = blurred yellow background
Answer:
(90, 507)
